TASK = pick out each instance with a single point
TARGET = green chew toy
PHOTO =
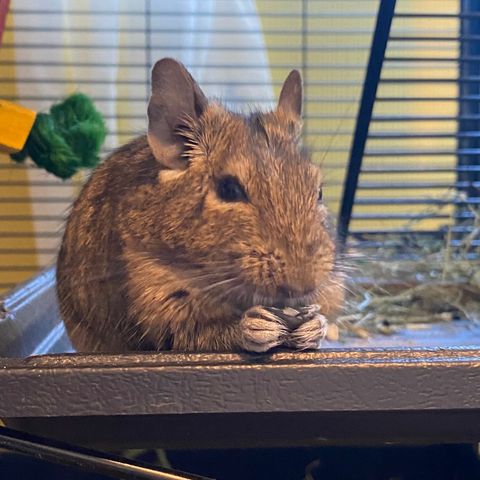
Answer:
(66, 139)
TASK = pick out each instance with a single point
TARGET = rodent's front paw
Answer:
(308, 335)
(262, 330)
(307, 326)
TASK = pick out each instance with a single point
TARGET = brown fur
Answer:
(152, 258)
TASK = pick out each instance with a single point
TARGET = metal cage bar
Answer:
(372, 77)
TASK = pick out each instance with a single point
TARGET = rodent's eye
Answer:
(230, 190)
(320, 195)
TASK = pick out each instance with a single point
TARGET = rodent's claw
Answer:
(262, 330)
(309, 334)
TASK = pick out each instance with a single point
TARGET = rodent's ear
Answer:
(175, 97)
(291, 96)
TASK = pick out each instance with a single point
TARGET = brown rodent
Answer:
(183, 238)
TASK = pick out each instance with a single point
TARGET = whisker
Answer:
(217, 284)
(337, 130)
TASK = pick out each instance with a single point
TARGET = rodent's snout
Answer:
(280, 278)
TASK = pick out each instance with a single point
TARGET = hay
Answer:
(423, 281)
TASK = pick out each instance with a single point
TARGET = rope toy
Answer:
(63, 141)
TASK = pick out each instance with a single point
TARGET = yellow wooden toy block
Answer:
(16, 123)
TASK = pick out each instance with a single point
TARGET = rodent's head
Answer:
(240, 202)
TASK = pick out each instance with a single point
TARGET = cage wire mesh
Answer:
(240, 52)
